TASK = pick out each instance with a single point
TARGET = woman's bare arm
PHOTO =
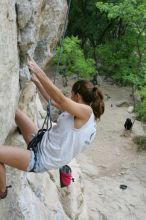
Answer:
(79, 110)
(42, 90)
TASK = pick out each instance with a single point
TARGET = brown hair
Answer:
(91, 95)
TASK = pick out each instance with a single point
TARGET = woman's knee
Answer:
(17, 115)
(21, 117)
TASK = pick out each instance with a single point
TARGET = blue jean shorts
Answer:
(35, 164)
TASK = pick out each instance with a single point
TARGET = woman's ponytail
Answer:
(97, 103)
(91, 96)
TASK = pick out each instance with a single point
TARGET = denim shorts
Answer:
(32, 161)
(35, 164)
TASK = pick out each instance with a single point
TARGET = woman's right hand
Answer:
(32, 65)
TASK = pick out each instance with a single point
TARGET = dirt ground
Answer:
(112, 161)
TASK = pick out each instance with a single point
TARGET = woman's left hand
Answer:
(34, 78)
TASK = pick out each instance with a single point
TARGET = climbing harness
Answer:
(38, 137)
(3, 195)
(33, 145)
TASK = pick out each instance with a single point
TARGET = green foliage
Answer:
(118, 60)
(141, 110)
(130, 11)
(126, 59)
(113, 34)
(141, 142)
(141, 107)
(72, 59)
(142, 93)
(83, 20)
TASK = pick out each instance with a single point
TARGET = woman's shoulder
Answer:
(92, 118)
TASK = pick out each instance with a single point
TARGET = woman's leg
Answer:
(14, 157)
(26, 125)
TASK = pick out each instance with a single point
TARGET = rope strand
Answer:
(62, 41)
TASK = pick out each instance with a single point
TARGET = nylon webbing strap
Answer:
(49, 114)
(48, 119)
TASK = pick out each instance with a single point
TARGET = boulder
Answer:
(130, 109)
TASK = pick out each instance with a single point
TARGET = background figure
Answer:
(128, 124)
(127, 127)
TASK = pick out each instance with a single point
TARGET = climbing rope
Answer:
(48, 116)
(62, 41)
(48, 119)
(58, 60)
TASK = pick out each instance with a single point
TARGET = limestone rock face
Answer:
(40, 24)
(9, 67)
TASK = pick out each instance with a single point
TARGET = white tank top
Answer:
(63, 142)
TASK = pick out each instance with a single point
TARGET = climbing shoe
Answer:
(3, 195)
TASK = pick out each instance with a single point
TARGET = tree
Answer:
(130, 33)
(113, 33)
(73, 61)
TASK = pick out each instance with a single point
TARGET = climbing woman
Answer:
(74, 131)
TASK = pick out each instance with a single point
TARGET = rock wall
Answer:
(40, 26)
(9, 67)
(32, 27)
